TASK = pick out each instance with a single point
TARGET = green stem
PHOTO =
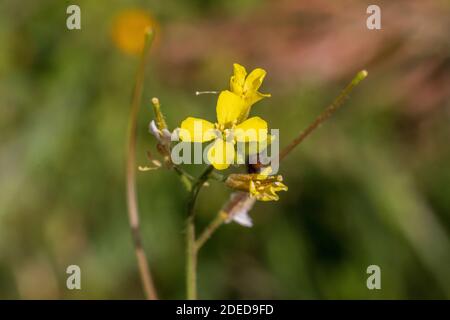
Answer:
(191, 249)
(191, 260)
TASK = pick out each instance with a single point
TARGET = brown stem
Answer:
(133, 212)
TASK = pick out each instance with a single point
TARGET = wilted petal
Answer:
(238, 207)
(153, 129)
(163, 136)
(243, 218)
(260, 186)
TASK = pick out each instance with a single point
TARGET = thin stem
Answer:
(218, 221)
(196, 189)
(191, 250)
(191, 260)
(337, 103)
(133, 212)
(209, 230)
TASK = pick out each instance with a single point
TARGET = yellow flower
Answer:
(228, 130)
(247, 86)
(262, 187)
(128, 31)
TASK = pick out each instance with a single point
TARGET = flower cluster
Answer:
(233, 125)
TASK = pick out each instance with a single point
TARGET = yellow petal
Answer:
(252, 84)
(221, 154)
(255, 97)
(253, 129)
(254, 80)
(229, 107)
(238, 79)
(196, 130)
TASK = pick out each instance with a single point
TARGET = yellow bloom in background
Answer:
(262, 187)
(128, 31)
(247, 86)
(228, 130)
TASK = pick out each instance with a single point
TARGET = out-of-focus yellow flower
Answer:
(128, 31)
(247, 86)
(262, 187)
(226, 131)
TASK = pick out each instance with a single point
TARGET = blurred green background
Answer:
(370, 187)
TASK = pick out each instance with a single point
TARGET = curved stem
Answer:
(191, 249)
(133, 212)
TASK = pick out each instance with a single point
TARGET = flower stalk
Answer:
(133, 212)
(191, 248)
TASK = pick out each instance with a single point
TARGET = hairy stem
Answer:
(337, 103)
(191, 249)
(133, 212)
